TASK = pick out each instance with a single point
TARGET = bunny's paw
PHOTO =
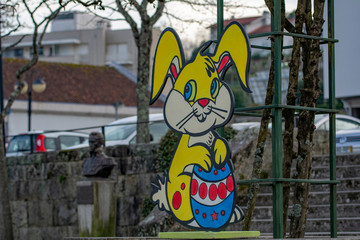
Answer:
(159, 195)
(200, 156)
(237, 215)
(221, 151)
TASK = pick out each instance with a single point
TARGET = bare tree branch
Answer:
(287, 24)
(14, 44)
(95, 3)
(109, 17)
(213, 4)
(159, 11)
(13, 29)
(181, 19)
(129, 20)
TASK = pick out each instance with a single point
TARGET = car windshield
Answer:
(20, 144)
(120, 132)
(341, 124)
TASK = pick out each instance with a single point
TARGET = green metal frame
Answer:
(278, 180)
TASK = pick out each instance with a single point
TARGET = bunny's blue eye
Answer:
(214, 89)
(190, 91)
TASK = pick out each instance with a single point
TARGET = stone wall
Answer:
(42, 186)
(42, 190)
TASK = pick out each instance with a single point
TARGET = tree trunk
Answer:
(142, 87)
(143, 40)
(309, 95)
(259, 152)
(289, 114)
(6, 231)
(265, 119)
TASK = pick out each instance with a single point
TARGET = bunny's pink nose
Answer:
(203, 102)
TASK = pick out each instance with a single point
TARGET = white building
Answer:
(81, 91)
(81, 38)
(347, 52)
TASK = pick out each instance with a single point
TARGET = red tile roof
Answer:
(242, 21)
(262, 29)
(71, 83)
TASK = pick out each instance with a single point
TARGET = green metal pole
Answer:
(331, 48)
(277, 128)
(220, 18)
(220, 29)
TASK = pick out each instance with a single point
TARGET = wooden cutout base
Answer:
(209, 235)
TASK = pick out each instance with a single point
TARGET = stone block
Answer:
(128, 210)
(29, 233)
(19, 214)
(40, 213)
(75, 169)
(56, 233)
(99, 217)
(65, 213)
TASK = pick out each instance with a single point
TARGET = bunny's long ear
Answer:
(168, 62)
(234, 48)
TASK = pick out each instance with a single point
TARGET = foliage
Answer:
(166, 150)
(147, 207)
(229, 133)
(242, 99)
(62, 178)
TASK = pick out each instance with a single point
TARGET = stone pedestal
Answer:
(96, 201)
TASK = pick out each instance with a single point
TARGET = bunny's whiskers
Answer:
(219, 109)
(214, 110)
(186, 119)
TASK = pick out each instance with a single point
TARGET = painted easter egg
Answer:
(212, 196)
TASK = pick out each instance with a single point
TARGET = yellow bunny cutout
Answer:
(199, 189)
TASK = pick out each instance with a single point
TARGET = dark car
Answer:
(43, 142)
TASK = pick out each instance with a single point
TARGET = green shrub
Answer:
(147, 207)
(166, 150)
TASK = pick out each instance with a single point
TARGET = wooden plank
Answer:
(209, 235)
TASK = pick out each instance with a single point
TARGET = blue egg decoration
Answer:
(212, 196)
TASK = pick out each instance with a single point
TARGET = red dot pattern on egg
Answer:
(212, 192)
(203, 190)
(230, 183)
(176, 201)
(222, 191)
(194, 187)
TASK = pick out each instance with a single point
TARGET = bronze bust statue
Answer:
(98, 164)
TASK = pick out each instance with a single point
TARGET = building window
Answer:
(82, 52)
(18, 52)
(63, 50)
(41, 51)
(117, 53)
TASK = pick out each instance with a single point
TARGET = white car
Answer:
(348, 141)
(40, 141)
(321, 122)
(123, 131)
(342, 122)
(245, 125)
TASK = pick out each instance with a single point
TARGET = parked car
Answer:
(342, 122)
(348, 141)
(43, 142)
(245, 125)
(123, 131)
(321, 122)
